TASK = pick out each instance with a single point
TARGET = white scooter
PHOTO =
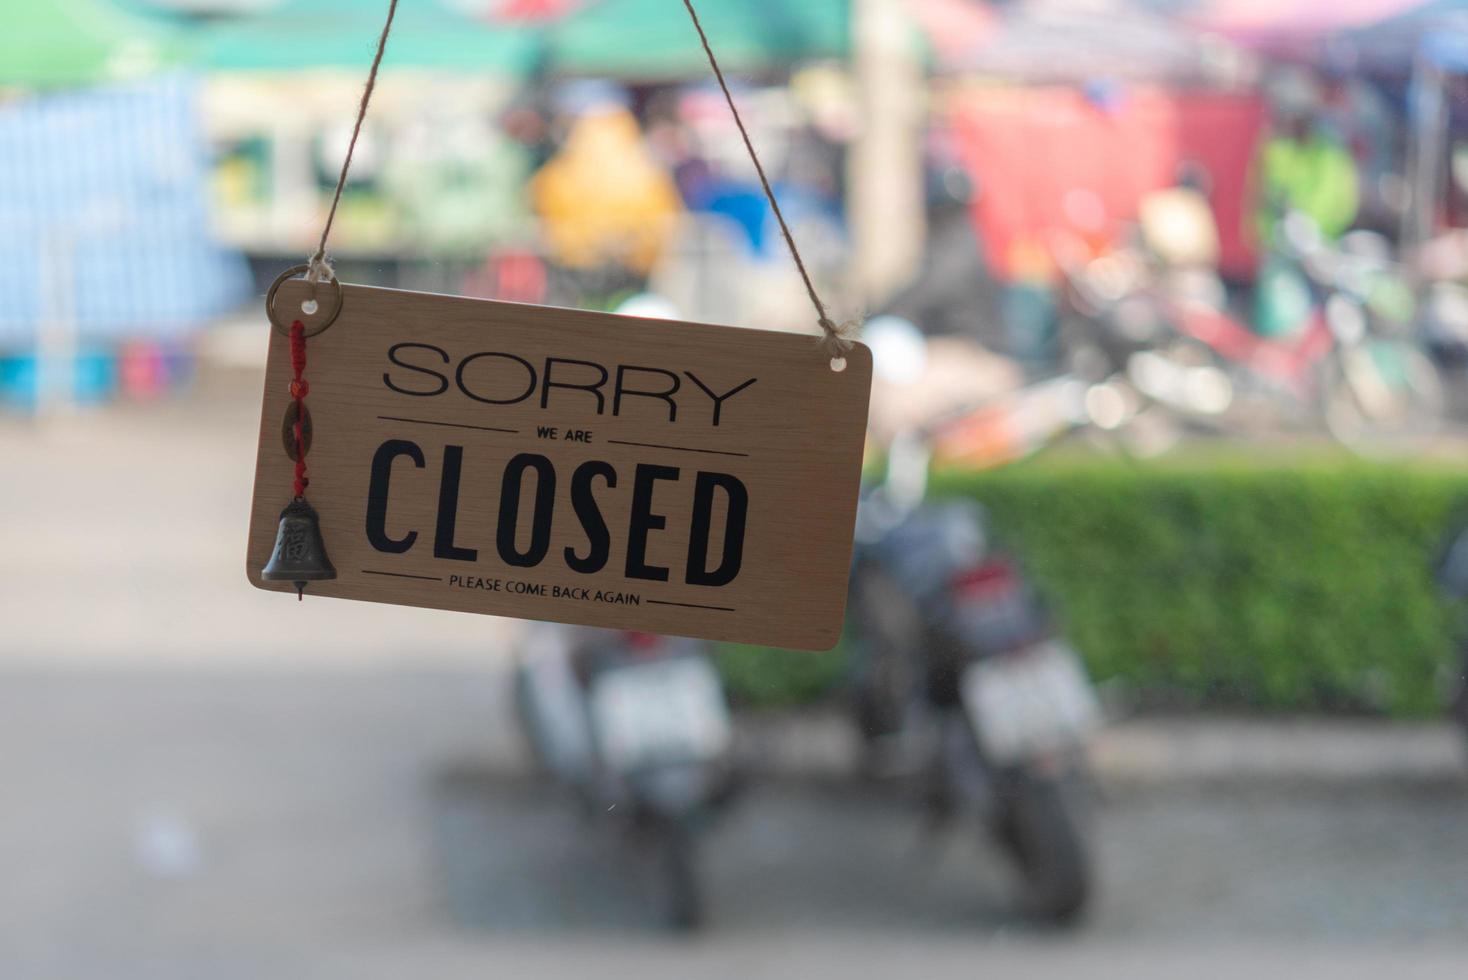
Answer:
(638, 727)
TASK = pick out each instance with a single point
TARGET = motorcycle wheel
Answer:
(1386, 400)
(1043, 830)
(682, 896)
(531, 724)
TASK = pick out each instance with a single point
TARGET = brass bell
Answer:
(300, 554)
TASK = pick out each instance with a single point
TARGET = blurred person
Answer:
(1306, 175)
(742, 201)
(715, 176)
(714, 173)
(954, 304)
(1177, 223)
(953, 292)
(1304, 166)
(1180, 232)
(604, 199)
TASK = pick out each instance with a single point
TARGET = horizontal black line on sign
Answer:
(426, 578)
(681, 449)
(451, 425)
(689, 605)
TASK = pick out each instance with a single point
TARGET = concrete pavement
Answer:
(373, 822)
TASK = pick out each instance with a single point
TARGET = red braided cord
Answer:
(298, 392)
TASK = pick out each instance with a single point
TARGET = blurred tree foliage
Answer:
(1274, 585)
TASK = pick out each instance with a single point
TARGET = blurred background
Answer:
(1154, 660)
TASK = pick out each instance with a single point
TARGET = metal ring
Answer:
(291, 273)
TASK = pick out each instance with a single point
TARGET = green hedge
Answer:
(1278, 585)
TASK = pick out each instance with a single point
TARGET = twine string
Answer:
(319, 267)
(834, 341)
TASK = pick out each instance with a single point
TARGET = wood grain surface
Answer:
(428, 410)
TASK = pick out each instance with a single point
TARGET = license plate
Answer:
(1030, 701)
(665, 711)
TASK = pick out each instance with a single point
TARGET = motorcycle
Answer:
(1450, 572)
(962, 680)
(637, 727)
(1346, 362)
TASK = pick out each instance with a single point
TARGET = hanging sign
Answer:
(571, 466)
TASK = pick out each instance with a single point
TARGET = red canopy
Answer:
(1030, 148)
(1267, 20)
(528, 11)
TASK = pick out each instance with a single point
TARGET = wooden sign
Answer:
(578, 467)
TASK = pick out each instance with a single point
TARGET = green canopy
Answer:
(653, 39)
(51, 43)
(633, 39)
(426, 34)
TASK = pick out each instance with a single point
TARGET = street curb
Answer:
(1280, 751)
(1140, 753)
